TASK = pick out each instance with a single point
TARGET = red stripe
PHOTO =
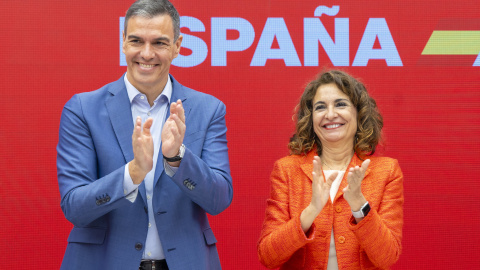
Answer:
(465, 24)
(446, 60)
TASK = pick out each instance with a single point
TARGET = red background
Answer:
(53, 49)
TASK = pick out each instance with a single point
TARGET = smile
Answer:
(146, 66)
(333, 126)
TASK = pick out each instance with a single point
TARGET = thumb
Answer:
(332, 178)
(365, 164)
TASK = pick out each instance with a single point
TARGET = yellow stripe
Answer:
(453, 42)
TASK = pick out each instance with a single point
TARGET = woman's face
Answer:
(334, 116)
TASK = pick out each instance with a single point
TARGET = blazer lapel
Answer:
(307, 163)
(120, 113)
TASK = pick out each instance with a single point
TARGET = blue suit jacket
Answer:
(95, 143)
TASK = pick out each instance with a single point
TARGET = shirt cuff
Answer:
(130, 190)
(169, 170)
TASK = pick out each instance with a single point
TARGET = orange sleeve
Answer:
(380, 233)
(281, 234)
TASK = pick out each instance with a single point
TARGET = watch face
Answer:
(366, 209)
(182, 151)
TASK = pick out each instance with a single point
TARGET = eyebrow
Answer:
(157, 39)
(336, 100)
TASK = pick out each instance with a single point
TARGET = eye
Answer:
(341, 104)
(160, 43)
(320, 107)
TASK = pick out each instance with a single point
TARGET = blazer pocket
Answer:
(87, 235)
(209, 237)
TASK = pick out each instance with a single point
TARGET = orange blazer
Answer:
(373, 243)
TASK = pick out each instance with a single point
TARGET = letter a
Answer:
(377, 27)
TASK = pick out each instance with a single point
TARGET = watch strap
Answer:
(181, 153)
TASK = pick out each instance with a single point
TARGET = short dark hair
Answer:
(369, 119)
(152, 8)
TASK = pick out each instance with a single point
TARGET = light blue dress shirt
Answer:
(140, 107)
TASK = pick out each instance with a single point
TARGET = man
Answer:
(142, 159)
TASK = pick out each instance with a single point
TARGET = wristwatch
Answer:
(363, 212)
(178, 157)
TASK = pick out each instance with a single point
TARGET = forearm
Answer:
(381, 243)
(307, 217)
(209, 186)
(279, 241)
(380, 232)
(84, 201)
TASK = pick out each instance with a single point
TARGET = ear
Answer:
(178, 45)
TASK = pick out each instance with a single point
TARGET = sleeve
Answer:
(282, 234)
(129, 188)
(84, 196)
(169, 170)
(206, 178)
(380, 232)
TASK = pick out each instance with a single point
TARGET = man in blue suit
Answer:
(143, 159)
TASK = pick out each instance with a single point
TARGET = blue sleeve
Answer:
(84, 196)
(206, 178)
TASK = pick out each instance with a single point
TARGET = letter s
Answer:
(197, 45)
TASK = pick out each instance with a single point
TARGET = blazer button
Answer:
(338, 209)
(138, 246)
(341, 239)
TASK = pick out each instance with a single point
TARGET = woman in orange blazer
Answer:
(330, 206)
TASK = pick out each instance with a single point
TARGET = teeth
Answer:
(146, 66)
(332, 126)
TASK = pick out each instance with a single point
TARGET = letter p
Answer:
(220, 44)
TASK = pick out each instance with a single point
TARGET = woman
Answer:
(330, 207)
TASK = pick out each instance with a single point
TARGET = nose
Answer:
(147, 52)
(330, 113)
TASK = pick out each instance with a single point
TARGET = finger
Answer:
(317, 167)
(166, 131)
(178, 122)
(137, 128)
(315, 173)
(332, 178)
(175, 132)
(365, 165)
(180, 111)
(360, 173)
(147, 125)
(350, 177)
(173, 108)
(357, 172)
(345, 189)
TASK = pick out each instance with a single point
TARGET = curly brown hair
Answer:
(369, 120)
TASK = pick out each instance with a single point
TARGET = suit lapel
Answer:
(120, 113)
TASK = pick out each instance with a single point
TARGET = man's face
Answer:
(149, 49)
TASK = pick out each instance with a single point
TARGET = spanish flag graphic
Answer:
(454, 42)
